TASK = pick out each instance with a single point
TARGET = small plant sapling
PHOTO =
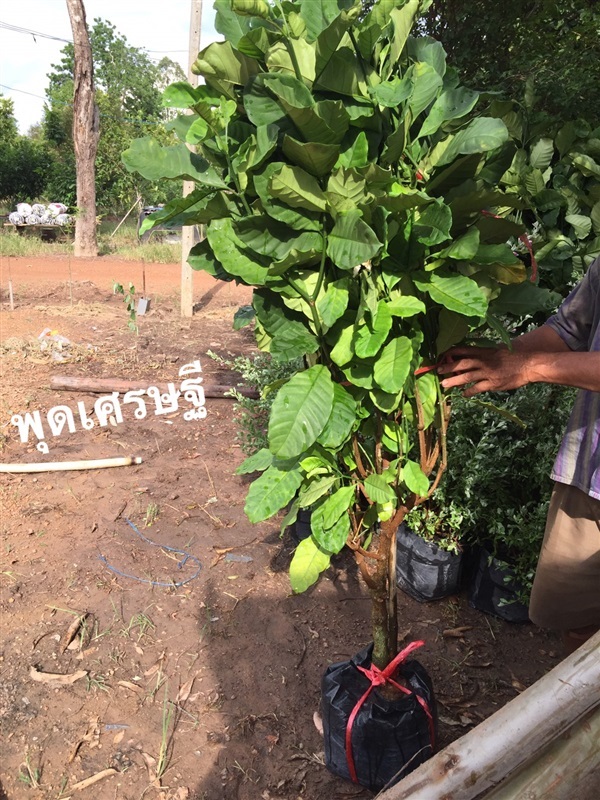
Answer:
(343, 172)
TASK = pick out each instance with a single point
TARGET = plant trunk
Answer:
(86, 131)
(384, 599)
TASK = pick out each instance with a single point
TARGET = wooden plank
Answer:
(67, 383)
(568, 768)
(503, 744)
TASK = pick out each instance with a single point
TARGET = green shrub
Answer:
(499, 470)
(260, 372)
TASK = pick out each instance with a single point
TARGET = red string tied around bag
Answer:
(379, 677)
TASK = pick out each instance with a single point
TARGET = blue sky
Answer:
(159, 26)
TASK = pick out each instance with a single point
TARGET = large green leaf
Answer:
(257, 462)
(332, 304)
(427, 83)
(405, 305)
(523, 299)
(452, 104)
(352, 242)
(294, 53)
(343, 350)
(271, 492)
(370, 335)
(274, 240)
(341, 420)
(541, 154)
(300, 412)
(453, 328)
(316, 158)
(315, 490)
(392, 93)
(454, 292)
(296, 188)
(355, 154)
(479, 136)
(465, 247)
(393, 365)
(414, 478)
(331, 509)
(154, 162)
(402, 21)
(288, 336)
(378, 490)
(223, 67)
(228, 250)
(308, 563)
(433, 223)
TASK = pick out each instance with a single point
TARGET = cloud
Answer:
(159, 26)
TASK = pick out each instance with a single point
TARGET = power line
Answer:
(30, 32)
(70, 105)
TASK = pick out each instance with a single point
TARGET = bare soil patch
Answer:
(207, 690)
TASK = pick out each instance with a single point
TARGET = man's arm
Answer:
(540, 356)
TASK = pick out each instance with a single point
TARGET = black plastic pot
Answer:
(301, 528)
(423, 570)
(387, 738)
(494, 590)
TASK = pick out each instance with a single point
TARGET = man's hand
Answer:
(485, 369)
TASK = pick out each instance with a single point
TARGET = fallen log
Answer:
(568, 768)
(106, 385)
(515, 737)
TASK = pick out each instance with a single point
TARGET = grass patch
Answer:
(122, 243)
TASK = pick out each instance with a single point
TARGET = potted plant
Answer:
(501, 452)
(342, 171)
(430, 550)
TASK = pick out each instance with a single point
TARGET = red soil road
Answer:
(103, 271)
(35, 279)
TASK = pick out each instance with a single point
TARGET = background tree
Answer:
(129, 86)
(500, 46)
(85, 133)
(23, 161)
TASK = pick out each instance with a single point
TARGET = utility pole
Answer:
(187, 232)
(86, 132)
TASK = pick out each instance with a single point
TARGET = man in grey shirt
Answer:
(566, 351)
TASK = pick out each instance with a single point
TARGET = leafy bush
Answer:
(343, 172)
(499, 470)
(259, 371)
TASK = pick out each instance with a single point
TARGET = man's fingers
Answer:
(461, 365)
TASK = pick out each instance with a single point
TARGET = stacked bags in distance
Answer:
(38, 214)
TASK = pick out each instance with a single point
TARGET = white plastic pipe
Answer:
(64, 466)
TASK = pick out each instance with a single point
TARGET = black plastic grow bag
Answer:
(370, 739)
(493, 589)
(424, 570)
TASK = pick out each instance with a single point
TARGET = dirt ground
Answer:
(204, 690)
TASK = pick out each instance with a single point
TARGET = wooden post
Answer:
(187, 232)
(86, 132)
(518, 735)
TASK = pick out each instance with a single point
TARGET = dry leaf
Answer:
(318, 722)
(185, 691)
(72, 630)
(93, 779)
(119, 737)
(520, 687)
(138, 650)
(457, 633)
(150, 763)
(129, 685)
(56, 679)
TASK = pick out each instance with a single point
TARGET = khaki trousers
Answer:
(566, 588)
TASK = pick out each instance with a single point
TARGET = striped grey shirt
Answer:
(577, 322)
